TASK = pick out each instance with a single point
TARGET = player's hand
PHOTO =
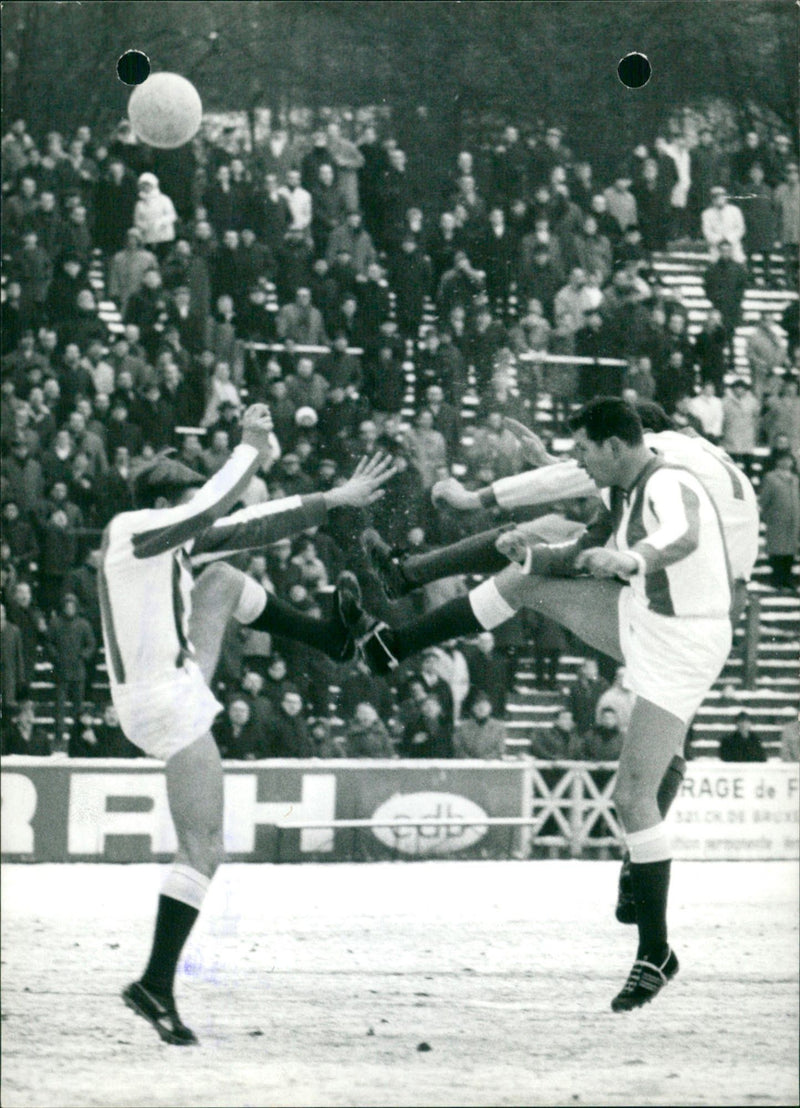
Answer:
(533, 449)
(257, 430)
(602, 562)
(512, 545)
(366, 484)
(452, 492)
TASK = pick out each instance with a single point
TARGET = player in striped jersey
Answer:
(563, 480)
(162, 634)
(670, 624)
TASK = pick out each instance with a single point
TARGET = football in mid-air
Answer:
(165, 110)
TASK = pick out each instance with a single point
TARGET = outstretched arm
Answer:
(176, 526)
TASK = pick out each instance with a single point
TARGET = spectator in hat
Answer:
(743, 745)
(154, 215)
(723, 222)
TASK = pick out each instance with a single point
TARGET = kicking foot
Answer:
(644, 981)
(385, 565)
(625, 910)
(160, 1012)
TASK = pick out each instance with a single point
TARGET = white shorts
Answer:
(669, 660)
(164, 717)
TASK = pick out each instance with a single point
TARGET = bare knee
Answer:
(202, 849)
(219, 577)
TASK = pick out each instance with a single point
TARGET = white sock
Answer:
(488, 606)
(650, 845)
(186, 884)
(252, 602)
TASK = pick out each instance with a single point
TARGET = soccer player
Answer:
(162, 634)
(562, 480)
(670, 622)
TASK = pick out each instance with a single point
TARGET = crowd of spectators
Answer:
(308, 274)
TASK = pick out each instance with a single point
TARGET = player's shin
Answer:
(483, 609)
(474, 554)
(181, 898)
(650, 867)
(669, 788)
(279, 618)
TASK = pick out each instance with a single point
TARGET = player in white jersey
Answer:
(670, 624)
(162, 634)
(558, 480)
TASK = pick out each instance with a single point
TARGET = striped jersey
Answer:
(670, 513)
(145, 578)
(731, 491)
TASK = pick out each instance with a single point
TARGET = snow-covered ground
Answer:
(316, 984)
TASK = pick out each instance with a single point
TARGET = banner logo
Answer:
(421, 830)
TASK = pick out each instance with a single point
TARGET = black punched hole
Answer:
(634, 70)
(133, 68)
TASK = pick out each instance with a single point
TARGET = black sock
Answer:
(449, 621)
(279, 618)
(173, 923)
(671, 783)
(475, 554)
(650, 881)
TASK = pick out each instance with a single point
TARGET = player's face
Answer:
(597, 459)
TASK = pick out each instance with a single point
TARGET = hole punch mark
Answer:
(133, 68)
(634, 70)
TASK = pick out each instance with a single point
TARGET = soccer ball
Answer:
(165, 111)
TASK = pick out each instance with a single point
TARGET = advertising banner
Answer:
(737, 810)
(111, 811)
